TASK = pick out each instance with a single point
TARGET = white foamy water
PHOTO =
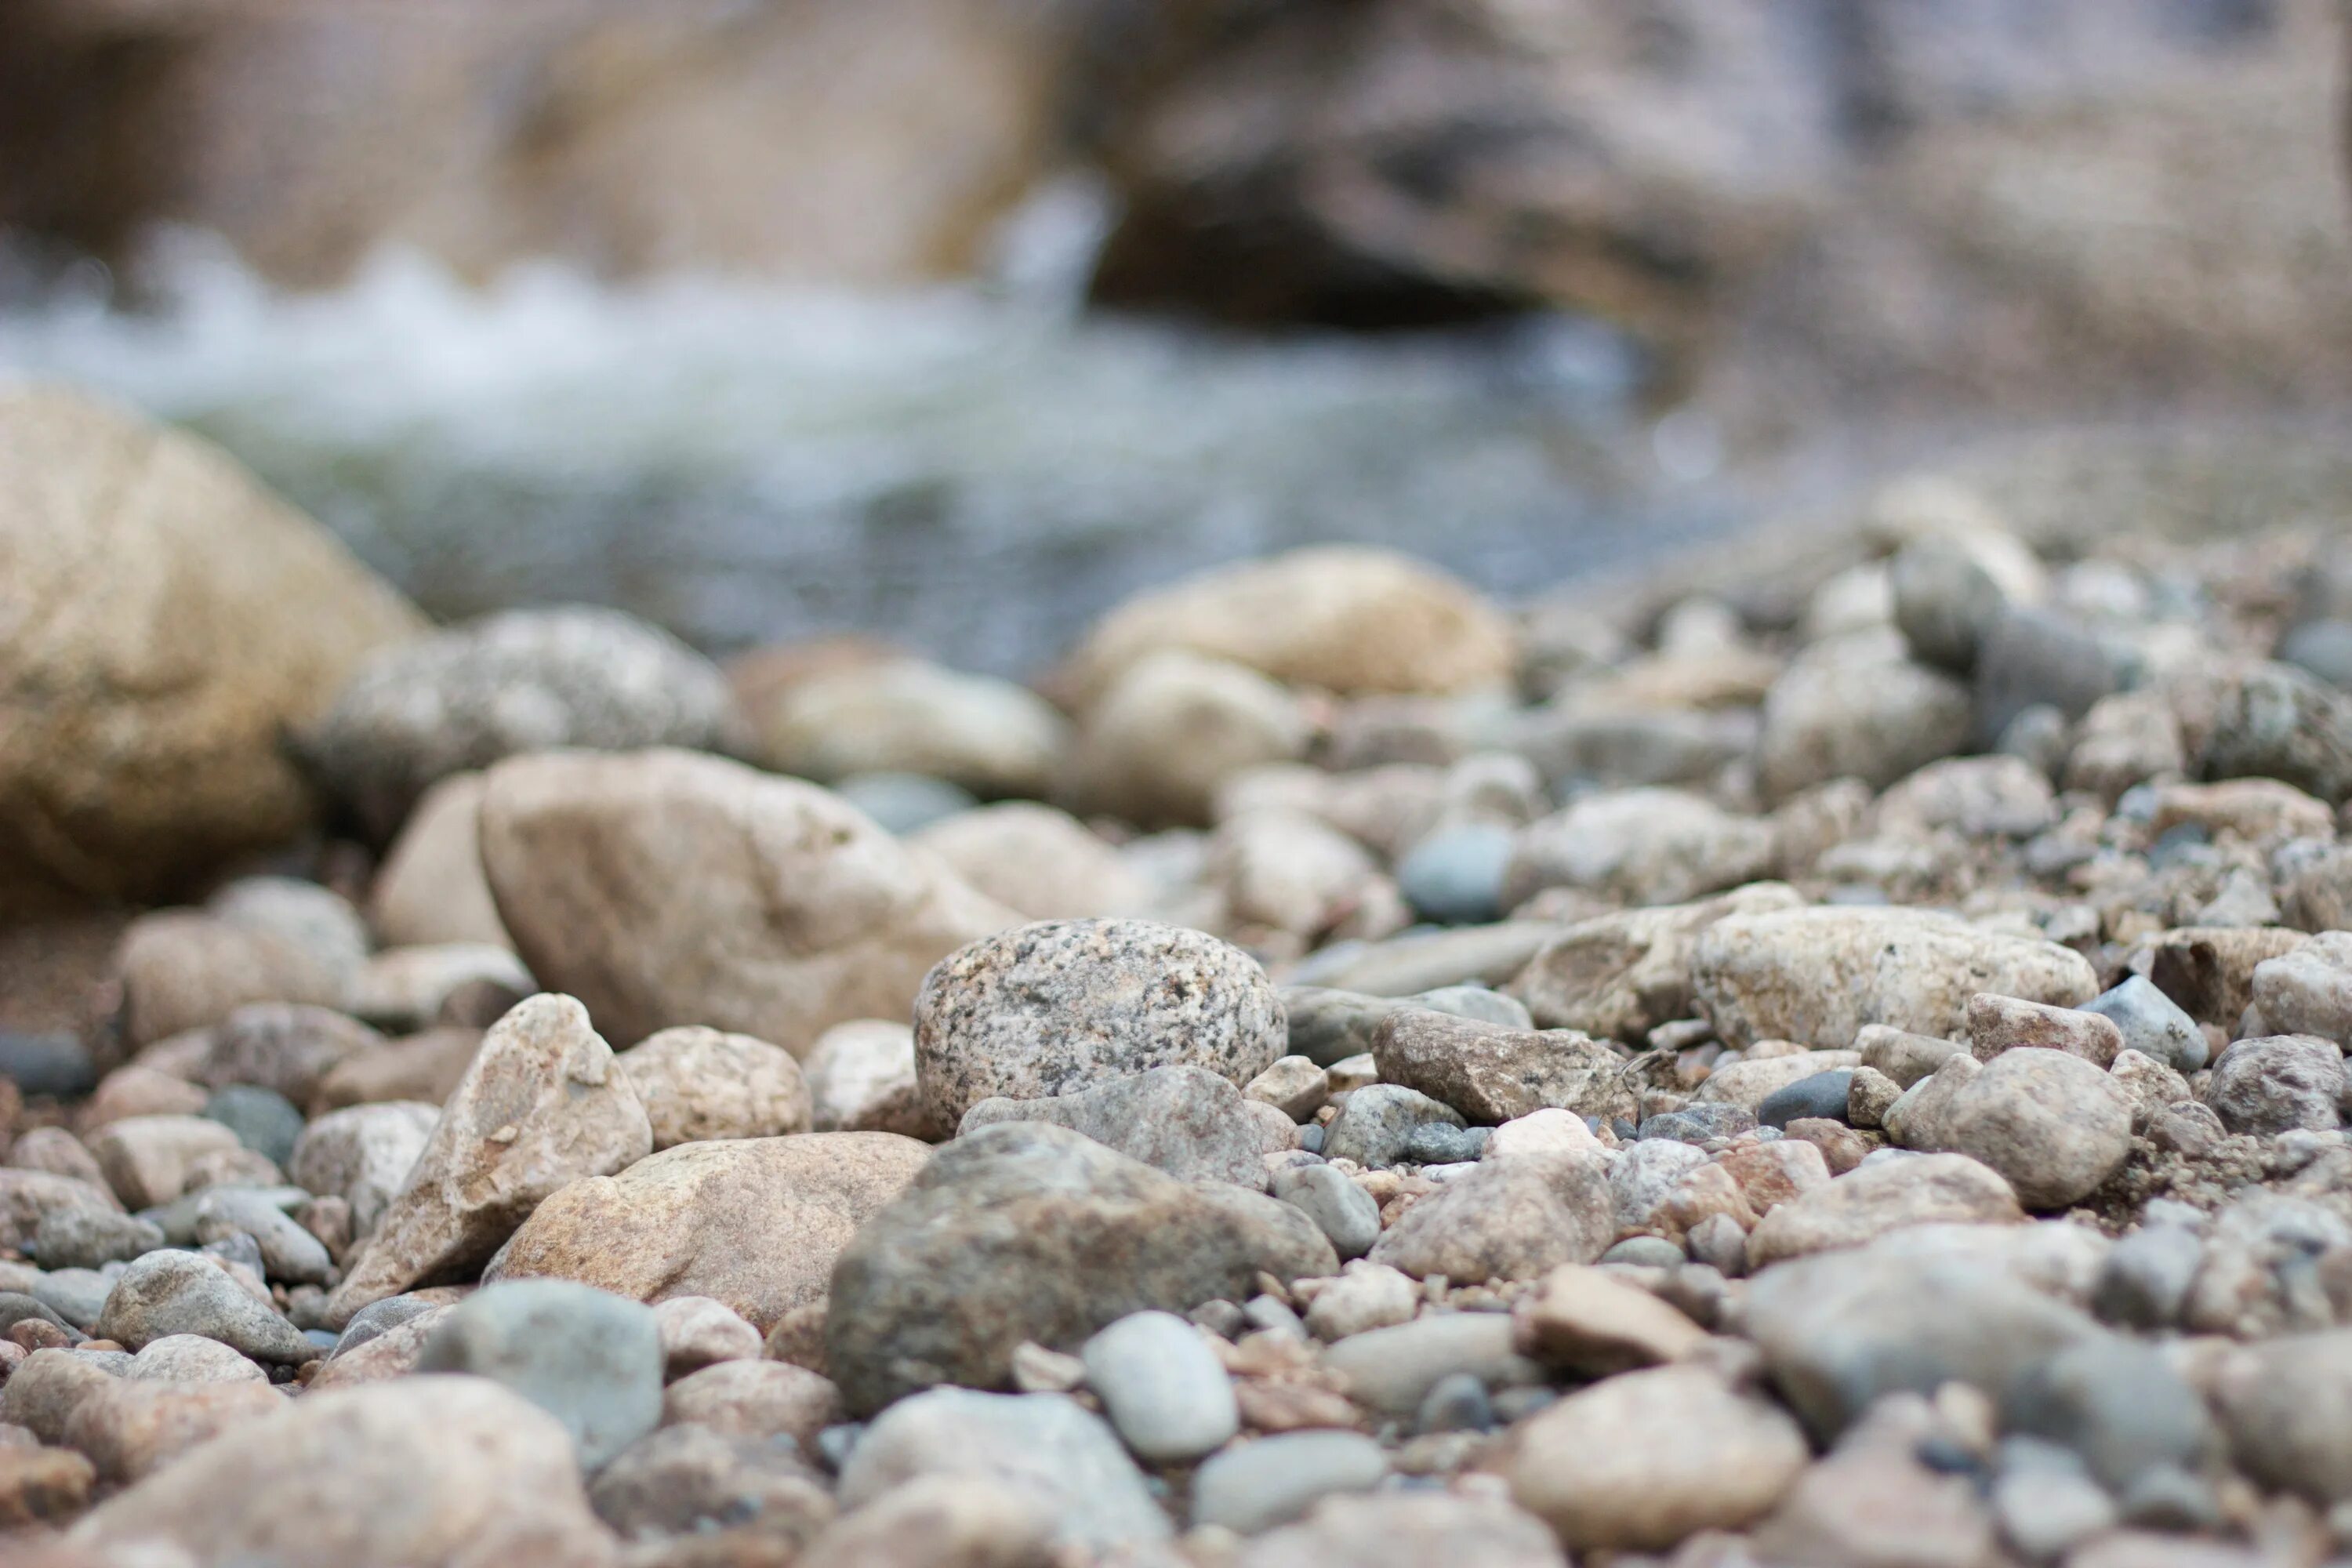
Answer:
(972, 471)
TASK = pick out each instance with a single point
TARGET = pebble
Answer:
(1647, 1252)
(937, 1520)
(2145, 1280)
(1492, 1073)
(1442, 1143)
(2045, 1513)
(1407, 1530)
(264, 1121)
(1588, 1322)
(2272, 1085)
(1039, 861)
(91, 1239)
(1185, 1120)
(1165, 1394)
(1821, 1096)
(2309, 991)
(363, 1154)
(686, 1482)
(1375, 1124)
(700, 1084)
(698, 1331)
(1853, 707)
(1363, 1297)
(287, 1251)
(1293, 1085)
(1393, 1369)
(1260, 1485)
(756, 1399)
(2286, 1408)
(192, 1358)
(1874, 1199)
(148, 1160)
(1455, 876)
(591, 1359)
(1344, 1211)
(1639, 846)
(1504, 1219)
(1700, 1122)
(2049, 1122)
(2115, 1401)
(168, 1293)
(46, 1064)
(861, 1078)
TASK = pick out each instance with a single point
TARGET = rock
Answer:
(410, 987)
(1344, 1211)
(1456, 875)
(91, 1239)
(698, 1084)
(939, 1521)
(2033, 658)
(1839, 1331)
(523, 680)
(264, 1121)
(43, 1486)
(1039, 1444)
(2116, 1403)
(316, 919)
(755, 1399)
(910, 716)
(289, 1253)
(540, 1106)
(288, 1047)
(2274, 722)
(363, 1154)
(1854, 708)
(590, 1359)
(1945, 603)
(1036, 860)
(186, 1293)
(423, 1068)
(1349, 619)
(2043, 1512)
(247, 613)
(2209, 971)
(1258, 1486)
(1819, 1096)
(2152, 1023)
(2150, 1087)
(1589, 1323)
(134, 1090)
(1392, 1370)
(43, 1390)
(861, 1078)
(1417, 962)
(1493, 1074)
(2284, 1407)
(1293, 1085)
(1055, 1007)
(1619, 976)
(1559, 1132)
(2052, 1124)
(686, 1482)
(2309, 991)
(429, 889)
(2260, 1257)
(1904, 1057)
(1169, 731)
(902, 805)
(1875, 1502)
(1365, 1296)
(1818, 975)
(420, 1470)
(1031, 1232)
(50, 1064)
(180, 970)
(1997, 1024)
(28, 1197)
(697, 1332)
(1505, 1219)
(1165, 1392)
(147, 1159)
(131, 1430)
(1748, 1084)
(55, 1152)
(1639, 846)
(1376, 1123)
(755, 1224)
(192, 1358)
(1184, 1120)
(1644, 1459)
(2267, 1086)
(805, 913)
(1284, 871)
(2144, 1280)
(1870, 1201)
(1407, 1530)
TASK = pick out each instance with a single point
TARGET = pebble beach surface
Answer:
(1339, 1072)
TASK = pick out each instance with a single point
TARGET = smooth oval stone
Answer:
(1823, 1095)
(1272, 1481)
(589, 1358)
(1164, 1390)
(1344, 1211)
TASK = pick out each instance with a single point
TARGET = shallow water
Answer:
(975, 471)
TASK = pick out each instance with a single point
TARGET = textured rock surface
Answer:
(698, 1083)
(1491, 1074)
(1867, 1203)
(1185, 1120)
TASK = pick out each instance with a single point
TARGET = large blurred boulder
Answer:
(163, 620)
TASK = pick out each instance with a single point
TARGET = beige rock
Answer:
(430, 889)
(1346, 618)
(2128, 739)
(169, 619)
(1818, 975)
(2262, 811)
(1996, 1023)
(408, 987)
(1286, 871)
(1492, 1073)
(1768, 1174)
(1170, 729)
(1619, 976)
(755, 1224)
(27, 1194)
(1904, 1057)
(1361, 1297)
(756, 1399)
(363, 1154)
(861, 1078)
(147, 1158)
(910, 716)
(1876, 1503)
(395, 1353)
(1640, 845)
(139, 1091)
(131, 1429)
(697, 1332)
(2210, 970)
(698, 1084)
(1977, 797)
(2149, 1085)
(57, 1152)
(540, 1106)
(941, 1521)
(1592, 1324)
(425, 1069)
(2053, 1125)
(1853, 707)
(1036, 860)
(1749, 1081)
(1550, 1132)
(180, 970)
(1648, 1458)
(1869, 1097)
(1293, 1085)
(803, 912)
(1401, 1530)
(1877, 1197)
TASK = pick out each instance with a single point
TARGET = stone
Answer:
(757, 1400)
(245, 611)
(754, 1223)
(2282, 1404)
(1344, 1211)
(1748, 1084)
(1819, 1096)
(1185, 1120)
(289, 1253)
(182, 970)
(1258, 1486)
(1173, 728)
(425, 1068)
(1376, 1123)
(697, 1332)
(804, 915)
(1050, 1008)
(1280, 870)
(2260, 1257)
(44, 1388)
(1293, 1085)
(132, 1429)
(1639, 846)
(1819, 975)
(285, 1046)
(1493, 1074)
(698, 1084)
(1874, 1199)
(2144, 1280)
(2126, 739)
(1945, 603)
(1591, 1324)
(1040, 1444)
(861, 1078)
(1031, 1232)
(1037, 860)
(1420, 961)
(2209, 971)
(2049, 1123)
(186, 1293)
(1903, 1057)
(910, 716)
(1349, 619)
(903, 805)
(2044, 1513)
(192, 1358)
(2309, 991)
(1165, 1392)
(1875, 1502)
(2275, 721)
(1457, 873)
(1853, 707)
(263, 1119)
(590, 1359)
(53, 1063)
(540, 1106)
(43, 1486)
(1407, 1530)
(425, 1468)
(687, 1482)
(28, 1197)
(939, 1521)
(1545, 1132)
(1644, 1459)
(1505, 1219)
(1997, 1024)
(91, 1239)
(147, 1159)
(55, 1152)
(429, 889)
(2032, 657)
(135, 1090)
(1393, 1369)
(1769, 1174)
(2269, 1085)
(2115, 1402)
(363, 1154)
(1363, 1297)
(77, 1295)
(2152, 1023)
(407, 988)
(2150, 1085)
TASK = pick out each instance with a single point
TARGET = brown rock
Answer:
(1768, 1174)
(56, 1152)
(1619, 976)
(148, 1158)
(430, 888)
(1171, 731)
(1507, 1219)
(1930, 1189)
(1591, 1324)
(27, 1196)
(180, 970)
(755, 1224)
(804, 914)
(1492, 1073)
(861, 1078)
(395, 1353)
(130, 1430)
(136, 1091)
(757, 1399)
(42, 1486)
(2210, 970)
(1996, 1023)
(540, 1106)
(698, 1084)
(425, 1068)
